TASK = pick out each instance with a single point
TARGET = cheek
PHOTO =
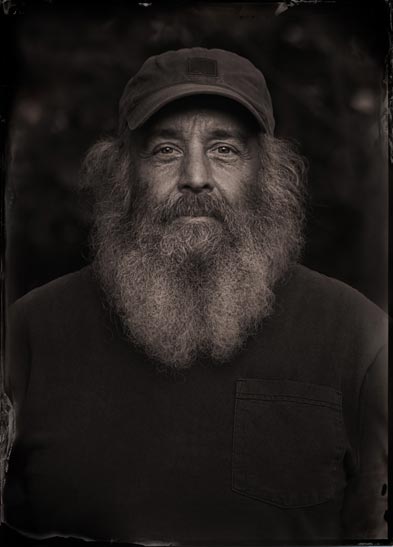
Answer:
(236, 183)
(159, 182)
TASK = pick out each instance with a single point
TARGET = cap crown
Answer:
(174, 74)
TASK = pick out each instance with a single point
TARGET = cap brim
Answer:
(154, 102)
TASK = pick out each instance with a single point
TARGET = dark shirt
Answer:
(286, 442)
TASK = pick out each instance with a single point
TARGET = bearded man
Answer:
(195, 384)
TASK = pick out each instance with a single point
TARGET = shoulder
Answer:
(45, 321)
(66, 301)
(60, 292)
(330, 295)
(327, 307)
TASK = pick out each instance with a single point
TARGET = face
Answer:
(195, 150)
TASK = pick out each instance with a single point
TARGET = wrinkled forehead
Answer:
(209, 113)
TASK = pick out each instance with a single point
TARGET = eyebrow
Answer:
(165, 134)
(224, 134)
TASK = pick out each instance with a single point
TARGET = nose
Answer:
(196, 176)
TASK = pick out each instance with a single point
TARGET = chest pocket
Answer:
(289, 442)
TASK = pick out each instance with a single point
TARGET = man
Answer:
(196, 385)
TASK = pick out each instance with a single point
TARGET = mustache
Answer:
(194, 205)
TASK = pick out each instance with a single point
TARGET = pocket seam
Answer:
(239, 438)
(291, 399)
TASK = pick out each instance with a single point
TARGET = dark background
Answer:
(325, 67)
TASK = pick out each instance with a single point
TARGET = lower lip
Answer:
(194, 219)
(200, 217)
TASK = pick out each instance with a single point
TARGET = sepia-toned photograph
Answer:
(195, 274)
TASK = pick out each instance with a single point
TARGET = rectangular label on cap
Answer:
(202, 66)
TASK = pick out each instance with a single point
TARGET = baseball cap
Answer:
(196, 71)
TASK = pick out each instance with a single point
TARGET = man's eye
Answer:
(166, 150)
(225, 150)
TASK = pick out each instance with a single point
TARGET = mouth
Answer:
(195, 218)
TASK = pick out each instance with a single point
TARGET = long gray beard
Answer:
(191, 290)
(197, 309)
